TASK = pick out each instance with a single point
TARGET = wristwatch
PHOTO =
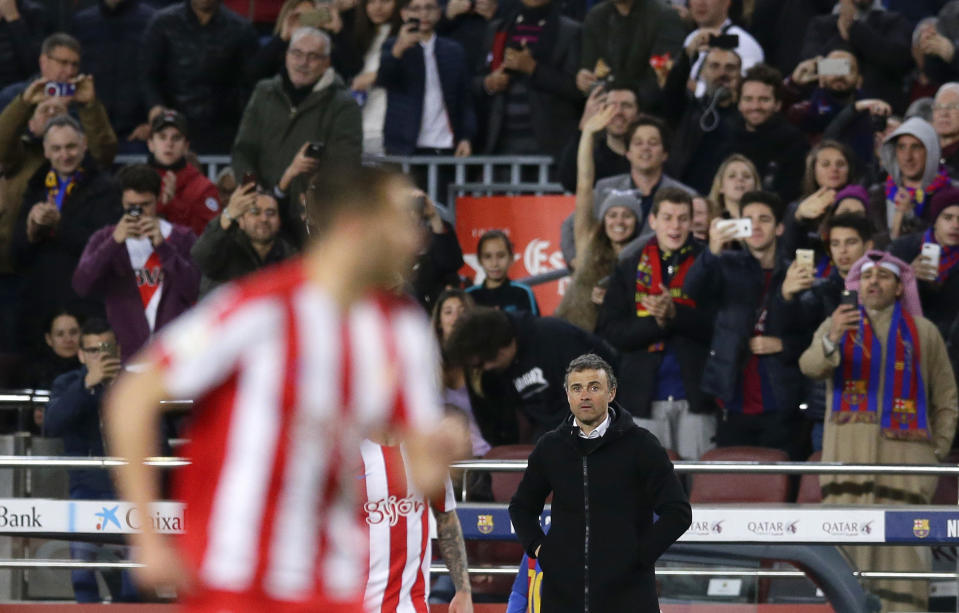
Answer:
(226, 214)
(828, 345)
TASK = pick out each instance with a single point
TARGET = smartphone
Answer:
(248, 177)
(849, 297)
(604, 282)
(315, 150)
(135, 211)
(806, 258)
(724, 41)
(109, 350)
(931, 252)
(57, 89)
(415, 22)
(744, 226)
(316, 18)
(833, 67)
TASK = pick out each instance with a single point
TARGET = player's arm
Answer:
(429, 453)
(449, 537)
(132, 413)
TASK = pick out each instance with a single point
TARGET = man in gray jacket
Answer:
(306, 104)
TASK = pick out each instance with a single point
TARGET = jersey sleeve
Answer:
(418, 406)
(200, 349)
(446, 501)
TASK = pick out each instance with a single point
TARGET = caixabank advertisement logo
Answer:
(115, 517)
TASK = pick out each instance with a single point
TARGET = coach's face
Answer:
(589, 396)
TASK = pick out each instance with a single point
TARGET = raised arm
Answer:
(584, 219)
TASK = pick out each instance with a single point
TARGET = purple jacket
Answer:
(105, 270)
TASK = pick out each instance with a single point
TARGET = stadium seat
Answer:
(504, 484)
(809, 490)
(740, 487)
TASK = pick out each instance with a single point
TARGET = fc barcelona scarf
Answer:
(947, 259)
(902, 414)
(919, 197)
(824, 267)
(58, 189)
(649, 278)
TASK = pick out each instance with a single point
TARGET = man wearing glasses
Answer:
(295, 121)
(73, 414)
(59, 62)
(945, 119)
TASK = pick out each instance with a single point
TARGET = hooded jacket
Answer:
(926, 134)
(601, 550)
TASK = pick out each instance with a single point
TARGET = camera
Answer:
(56, 89)
(724, 41)
(415, 21)
(135, 211)
(315, 150)
(878, 122)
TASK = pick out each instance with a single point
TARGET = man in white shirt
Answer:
(429, 108)
(712, 19)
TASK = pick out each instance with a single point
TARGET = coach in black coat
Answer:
(606, 489)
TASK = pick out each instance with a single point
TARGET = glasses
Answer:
(63, 62)
(296, 54)
(101, 348)
(416, 10)
(945, 107)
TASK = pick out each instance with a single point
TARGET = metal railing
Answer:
(483, 170)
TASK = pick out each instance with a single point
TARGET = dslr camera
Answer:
(56, 89)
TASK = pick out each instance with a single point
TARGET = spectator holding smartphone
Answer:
(751, 368)
(140, 267)
(295, 121)
(933, 255)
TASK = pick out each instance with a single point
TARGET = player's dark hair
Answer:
(339, 188)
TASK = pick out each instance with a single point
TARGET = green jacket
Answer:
(626, 43)
(273, 130)
(22, 155)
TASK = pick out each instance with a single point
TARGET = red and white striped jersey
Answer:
(287, 385)
(398, 519)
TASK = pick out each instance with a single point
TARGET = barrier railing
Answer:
(481, 169)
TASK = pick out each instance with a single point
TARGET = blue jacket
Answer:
(74, 415)
(731, 284)
(521, 599)
(405, 83)
(111, 43)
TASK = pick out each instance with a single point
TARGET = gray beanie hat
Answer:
(625, 198)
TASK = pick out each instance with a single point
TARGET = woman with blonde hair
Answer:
(736, 176)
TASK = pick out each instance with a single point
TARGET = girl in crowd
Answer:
(495, 254)
(373, 22)
(736, 176)
(600, 235)
(450, 305)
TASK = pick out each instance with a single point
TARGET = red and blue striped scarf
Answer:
(919, 197)
(947, 259)
(902, 414)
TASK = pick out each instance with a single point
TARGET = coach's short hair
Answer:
(590, 361)
(340, 187)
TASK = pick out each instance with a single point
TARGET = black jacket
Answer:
(732, 284)
(47, 265)
(111, 40)
(778, 149)
(606, 162)
(437, 267)
(20, 41)
(533, 383)
(806, 312)
(603, 543)
(939, 300)
(225, 255)
(883, 41)
(554, 100)
(695, 154)
(688, 335)
(202, 71)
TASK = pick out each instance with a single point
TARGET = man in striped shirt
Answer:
(398, 520)
(289, 369)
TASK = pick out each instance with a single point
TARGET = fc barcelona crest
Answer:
(484, 523)
(920, 527)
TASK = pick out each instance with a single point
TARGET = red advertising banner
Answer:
(532, 223)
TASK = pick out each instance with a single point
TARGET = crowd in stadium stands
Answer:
(830, 127)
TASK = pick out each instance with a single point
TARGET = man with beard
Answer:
(775, 146)
(241, 239)
(702, 125)
(609, 149)
(187, 198)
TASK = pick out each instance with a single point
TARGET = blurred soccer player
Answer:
(289, 370)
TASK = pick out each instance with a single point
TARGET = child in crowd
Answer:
(495, 254)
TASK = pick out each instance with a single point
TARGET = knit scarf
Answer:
(902, 414)
(824, 267)
(919, 197)
(947, 259)
(649, 277)
(58, 190)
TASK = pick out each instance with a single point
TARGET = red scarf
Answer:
(649, 278)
